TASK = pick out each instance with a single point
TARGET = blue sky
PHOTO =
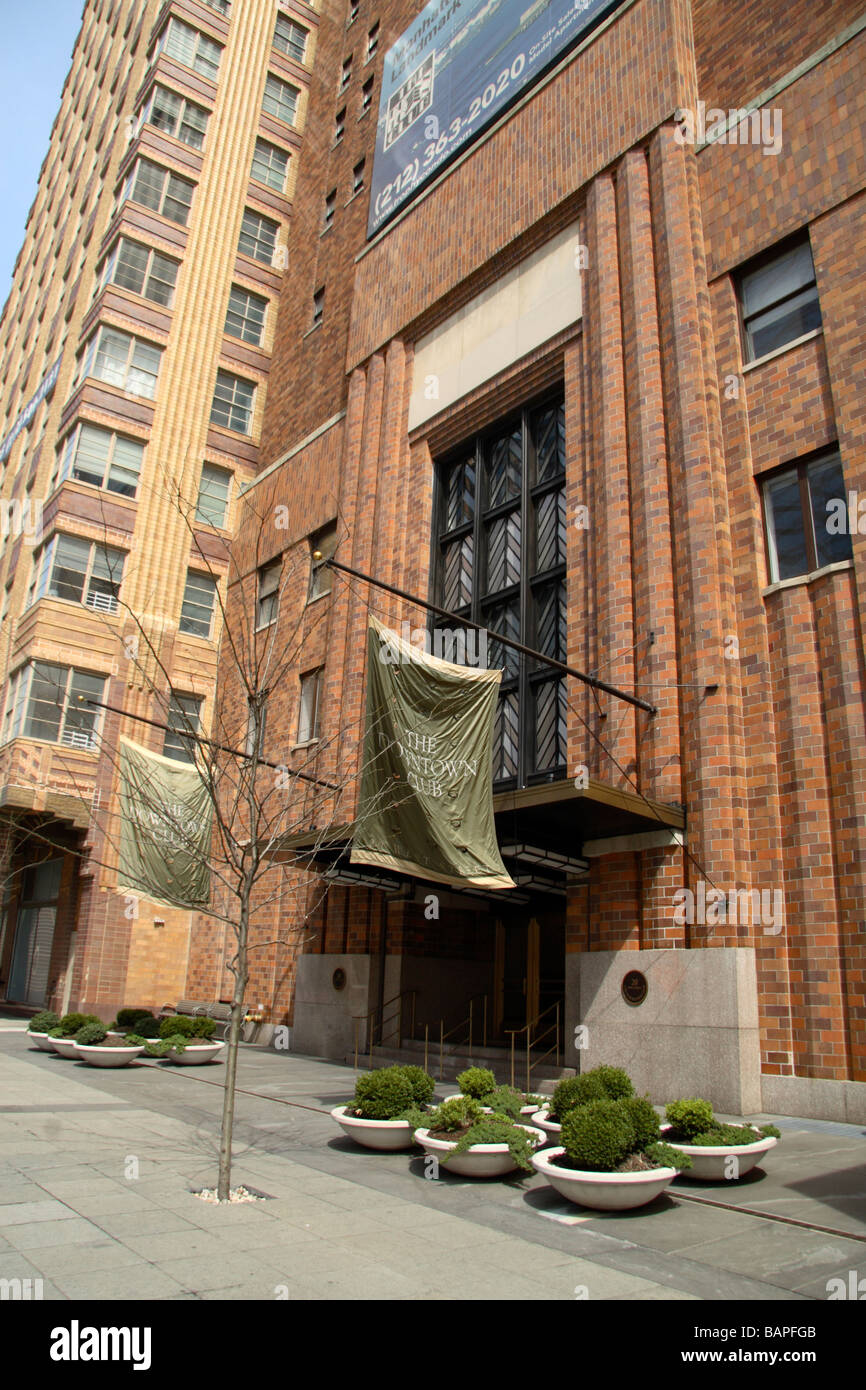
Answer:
(38, 38)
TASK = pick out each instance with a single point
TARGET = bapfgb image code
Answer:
(409, 101)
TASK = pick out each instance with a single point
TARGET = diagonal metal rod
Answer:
(211, 743)
(321, 561)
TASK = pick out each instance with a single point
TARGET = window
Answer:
(358, 177)
(102, 459)
(196, 614)
(280, 99)
(779, 301)
(139, 268)
(367, 95)
(223, 6)
(372, 42)
(290, 38)
(120, 360)
(501, 562)
(185, 44)
(177, 116)
(340, 126)
(258, 237)
(318, 307)
(321, 575)
(51, 702)
(213, 495)
(346, 73)
(330, 209)
(233, 403)
(246, 315)
(803, 505)
(78, 570)
(270, 165)
(354, 7)
(184, 721)
(308, 717)
(268, 593)
(159, 189)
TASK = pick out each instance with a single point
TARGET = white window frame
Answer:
(280, 99)
(289, 43)
(71, 450)
(212, 473)
(190, 47)
(172, 185)
(110, 357)
(45, 563)
(309, 707)
(223, 378)
(268, 167)
(250, 329)
(19, 710)
(249, 213)
(198, 585)
(268, 581)
(112, 261)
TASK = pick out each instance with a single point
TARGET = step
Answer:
(498, 1060)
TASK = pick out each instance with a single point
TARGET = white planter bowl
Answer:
(107, 1056)
(67, 1047)
(603, 1191)
(385, 1135)
(712, 1164)
(196, 1054)
(524, 1109)
(481, 1161)
(42, 1041)
(552, 1128)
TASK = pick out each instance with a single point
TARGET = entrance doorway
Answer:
(529, 972)
(34, 934)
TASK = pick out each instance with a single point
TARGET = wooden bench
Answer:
(220, 1013)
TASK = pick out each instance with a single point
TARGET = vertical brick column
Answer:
(696, 476)
(654, 606)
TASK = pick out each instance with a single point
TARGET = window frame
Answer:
(71, 445)
(243, 315)
(270, 595)
(272, 167)
(289, 44)
(175, 710)
(226, 473)
(19, 714)
(112, 261)
(207, 585)
(309, 679)
(95, 348)
(754, 266)
(45, 562)
(263, 220)
(236, 380)
(279, 100)
(800, 468)
(185, 103)
(207, 67)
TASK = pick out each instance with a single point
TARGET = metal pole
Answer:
(426, 1045)
(471, 1012)
(497, 637)
(441, 1047)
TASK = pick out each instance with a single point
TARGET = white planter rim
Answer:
(762, 1143)
(98, 1047)
(545, 1162)
(340, 1112)
(423, 1137)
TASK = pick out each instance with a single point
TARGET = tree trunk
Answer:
(237, 1018)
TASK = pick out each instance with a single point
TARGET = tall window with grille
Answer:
(501, 562)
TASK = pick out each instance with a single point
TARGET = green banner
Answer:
(165, 828)
(426, 798)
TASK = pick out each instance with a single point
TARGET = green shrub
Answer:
(477, 1082)
(382, 1095)
(454, 1114)
(496, 1129)
(770, 1131)
(617, 1083)
(56, 1032)
(645, 1121)
(663, 1156)
(135, 1040)
(128, 1018)
(70, 1023)
(176, 1024)
(422, 1084)
(41, 1022)
(690, 1118)
(504, 1100)
(203, 1028)
(598, 1136)
(91, 1034)
(574, 1091)
(148, 1027)
(721, 1135)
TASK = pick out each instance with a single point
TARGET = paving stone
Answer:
(52, 1233)
(25, 1213)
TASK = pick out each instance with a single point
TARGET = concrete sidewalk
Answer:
(97, 1170)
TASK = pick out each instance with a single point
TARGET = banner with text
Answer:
(426, 799)
(165, 828)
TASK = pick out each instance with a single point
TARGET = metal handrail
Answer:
(530, 1043)
(443, 1035)
(380, 1009)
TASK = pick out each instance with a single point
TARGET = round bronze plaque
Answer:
(338, 979)
(634, 987)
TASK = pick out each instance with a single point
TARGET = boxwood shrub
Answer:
(43, 1021)
(91, 1034)
(384, 1094)
(477, 1082)
(199, 1027)
(128, 1018)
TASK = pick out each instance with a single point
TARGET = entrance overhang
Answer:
(547, 836)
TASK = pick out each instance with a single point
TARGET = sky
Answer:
(37, 41)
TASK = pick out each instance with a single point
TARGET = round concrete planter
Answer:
(67, 1047)
(196, 1054)
(386, 1136)
(481, 1161)
(603, 1191)
(42, 1041)
(524, 1109)
(107, 1056)
(713, 1164)
(551, 1128)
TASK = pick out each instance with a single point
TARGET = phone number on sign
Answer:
(438, 149)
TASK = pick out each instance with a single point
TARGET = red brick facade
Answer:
(760, 723)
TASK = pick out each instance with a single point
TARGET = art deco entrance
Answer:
(529, 969)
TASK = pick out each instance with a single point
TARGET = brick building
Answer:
(136, 347)
(596, 383)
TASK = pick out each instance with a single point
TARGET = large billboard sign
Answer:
(459, 64)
